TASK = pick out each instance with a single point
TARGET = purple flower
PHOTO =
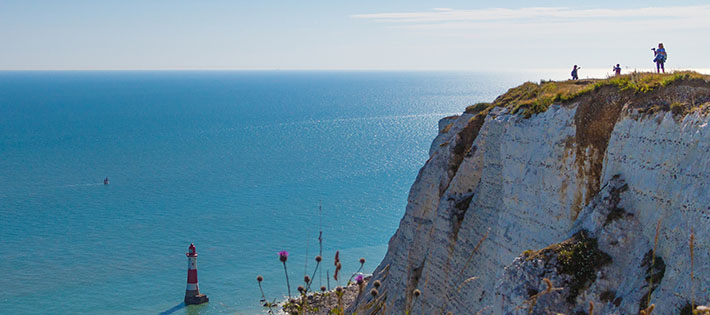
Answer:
(359, 279)
(283, 256)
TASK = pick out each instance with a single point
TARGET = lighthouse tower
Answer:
(192, 293)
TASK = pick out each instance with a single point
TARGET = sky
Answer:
(362, 35)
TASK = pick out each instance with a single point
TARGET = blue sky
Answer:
(445, 35)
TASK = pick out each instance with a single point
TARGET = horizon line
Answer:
(635, 69)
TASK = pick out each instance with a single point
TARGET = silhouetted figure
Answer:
(106, 180)
(617, 70)
(574, 72)
(659, 57)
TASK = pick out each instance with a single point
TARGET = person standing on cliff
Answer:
(659, 57)
(574, 72)
(617, 70)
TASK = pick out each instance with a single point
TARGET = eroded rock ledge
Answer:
(594, 186)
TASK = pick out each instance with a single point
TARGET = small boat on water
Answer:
(106, 180)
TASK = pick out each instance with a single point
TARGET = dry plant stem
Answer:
(533, 299)
(648, 311)
(475, 249)
(305, 266)
(549, 285)
(692, 268)
(320, 253)
(308, 285)
(288, 285)
(263, 297)
(591, 308)
(458, 289)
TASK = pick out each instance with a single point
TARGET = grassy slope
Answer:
(532, 98)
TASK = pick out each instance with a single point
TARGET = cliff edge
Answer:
(559, 197)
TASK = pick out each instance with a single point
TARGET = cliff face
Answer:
(579, 194)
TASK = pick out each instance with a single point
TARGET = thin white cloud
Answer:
(548, 14)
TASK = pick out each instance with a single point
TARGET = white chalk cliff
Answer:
(574, 194)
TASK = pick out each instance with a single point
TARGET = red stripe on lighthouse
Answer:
(192, 276)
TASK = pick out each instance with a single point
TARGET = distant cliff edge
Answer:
(559, 197)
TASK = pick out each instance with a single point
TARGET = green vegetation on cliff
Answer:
(532, 98)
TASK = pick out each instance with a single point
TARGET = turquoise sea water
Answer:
(236, 162)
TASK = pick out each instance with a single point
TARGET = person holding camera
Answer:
(617, 70)
(659, 57)
(574, 72)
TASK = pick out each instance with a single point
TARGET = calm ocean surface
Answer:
(235, 162)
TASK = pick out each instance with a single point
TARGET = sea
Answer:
(243, 164)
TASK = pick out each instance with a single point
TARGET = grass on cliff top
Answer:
(532, 98)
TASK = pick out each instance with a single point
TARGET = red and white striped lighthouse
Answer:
(192, 293)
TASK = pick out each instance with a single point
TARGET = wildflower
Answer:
(306, 279)
(322, 289)
(283, 256)
(374, 292)
(339, 289)
(417, 293)
(301, 288)
(319, 258)
(359, 279)
(259, 278)
(377, 284)
(362, 263)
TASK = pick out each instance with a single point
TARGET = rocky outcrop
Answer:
(589, 202)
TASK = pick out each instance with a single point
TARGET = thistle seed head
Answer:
(283, 256)
(359, 279)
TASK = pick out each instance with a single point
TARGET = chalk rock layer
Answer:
(588, 204)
